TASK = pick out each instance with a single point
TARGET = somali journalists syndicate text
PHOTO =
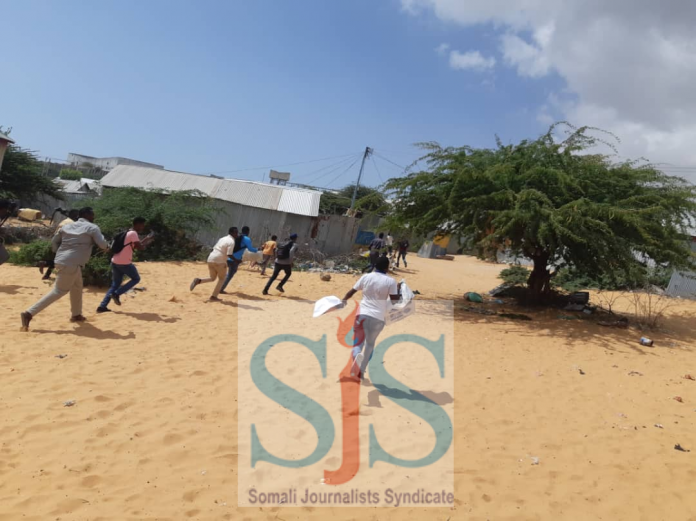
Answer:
(354, 497)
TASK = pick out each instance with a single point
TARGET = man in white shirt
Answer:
(379, 291)
(217, 263)
(389, 241)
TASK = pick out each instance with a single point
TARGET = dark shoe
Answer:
(280, 289)
(116, 299)
(264, 292)
(103, 310)
(78, 318)
(195, 283)
(26, 318)
(214, 299)
(46, 277)
(223, 292)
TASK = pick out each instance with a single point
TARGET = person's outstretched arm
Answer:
(247, 242)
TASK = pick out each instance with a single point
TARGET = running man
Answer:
(122, 265)
(241, 242)
(49, 264)
(268, 248)
(389, 242)
(73, 246)
(403, 250)
(217, 260)
(378, 289)
(376, 247)
(285, 255)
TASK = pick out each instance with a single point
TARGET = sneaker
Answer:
(78, 318)
(116, 299)
(357, 364)
(214, 299)
(223, 292)
(280, 289)
(195, 283)
(103, 310)
(264, 292)
(26, 318)
(46, 277)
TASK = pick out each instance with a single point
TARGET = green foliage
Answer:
(368, 200)
(552, 202)
(71, 175)
(20, 176)
(31, 253)
(515, 275)
(97, 272)
(175, 218)
(638, 277)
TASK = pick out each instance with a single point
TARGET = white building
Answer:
(107, 163)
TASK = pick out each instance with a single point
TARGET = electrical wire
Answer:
(342, 173)
(379, 174)
(389, 161)
(276, 166)
(332, 168)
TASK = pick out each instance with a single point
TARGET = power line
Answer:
(342, 173)
(276, 166)
(379, 174)
(390, 161)
(331, 168)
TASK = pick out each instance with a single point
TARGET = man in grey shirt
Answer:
(285, 254)
(73, 246)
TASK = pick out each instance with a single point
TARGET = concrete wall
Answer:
(46, 204)
(330, 234)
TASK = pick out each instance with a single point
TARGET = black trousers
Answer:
(287, 268)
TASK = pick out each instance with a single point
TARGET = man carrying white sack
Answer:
(379, 292)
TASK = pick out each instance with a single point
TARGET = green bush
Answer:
(71, 175)
(30, 254)
(515, 275)
(97, 272)
(626, 279)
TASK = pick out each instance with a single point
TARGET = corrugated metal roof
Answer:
(6, 137)
(247, 193)
(682, 285)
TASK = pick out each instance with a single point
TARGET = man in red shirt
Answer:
(122, 265)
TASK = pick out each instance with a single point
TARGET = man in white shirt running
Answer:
(217, 264)
(379, 291)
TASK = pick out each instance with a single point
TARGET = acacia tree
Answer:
(367, 200)
(552, 202)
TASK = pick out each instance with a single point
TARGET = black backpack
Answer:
(284, 250)
(119, 242)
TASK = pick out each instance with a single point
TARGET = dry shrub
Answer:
(649, 307)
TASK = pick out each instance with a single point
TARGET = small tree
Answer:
(367, 200)
(71, 175)
(552, 202)
(20, 176)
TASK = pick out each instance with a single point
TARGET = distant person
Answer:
(217, 263)
(389, 242)
(122, 263)
(49, 263)
(378, 289)
(404, 245)
(73, 246)
(285, 255)
(376, 247)
(7, 208)
(241, 242)
(269, 249)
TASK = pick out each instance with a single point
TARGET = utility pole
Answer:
(368, 152)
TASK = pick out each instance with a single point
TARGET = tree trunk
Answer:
(539, 282)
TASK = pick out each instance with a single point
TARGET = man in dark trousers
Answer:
(241, 242)
(376, 247)
(285, 254)
(403, 250)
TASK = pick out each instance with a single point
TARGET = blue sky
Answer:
(219, 86)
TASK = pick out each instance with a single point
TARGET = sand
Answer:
(153, 433)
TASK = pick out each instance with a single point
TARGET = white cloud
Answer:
(629, 65)
(442, 48)
(472, 60)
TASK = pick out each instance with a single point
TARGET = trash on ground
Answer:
(579, 297)
(689, 377)
(680, 448)
(535, 460)
(581, 371)
(61, 356)
(574, 307)
(499, 291)
(480, 311)
(635, 373)
(645, 341)
(473, 297)
(445, 257)
(69, 403)
(416, 292)
(679, 399)
(498, 301)
(139, 289)
(621, 323)
(659, 426)
(515, 316)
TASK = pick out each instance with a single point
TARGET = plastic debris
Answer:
(644, 341)
(689, 377)
(680, 448)
(61, 356)
(581, 371)
(635, 373)
(679, 399)
(473, 297)
(659, 426)
(69, 403)
(535, 460)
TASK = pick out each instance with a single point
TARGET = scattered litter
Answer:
(445, 257)
(644, 341)
(589, 310)
(69, 403)
(622, 415)
(416, 292)
(680, 448)
(139, 289)
(203, 473)
(473, 297)
(579, 297)
(635, 373)
(689, 377)
(581, 371)
(498, 301)
(574, 307)
(659, 426)
(61, 356)
(515, 316)
(679, 399)
(480, 311)
(500, 290)
(535, 460)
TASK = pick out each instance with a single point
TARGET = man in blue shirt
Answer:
(241, 242)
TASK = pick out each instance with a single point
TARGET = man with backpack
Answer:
(241, 242)
(376, 247)
(122, 263)
(285, 254)
(73, 246)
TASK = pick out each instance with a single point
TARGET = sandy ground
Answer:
(153, 434)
